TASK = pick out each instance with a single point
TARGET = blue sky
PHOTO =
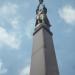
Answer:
(17, 20)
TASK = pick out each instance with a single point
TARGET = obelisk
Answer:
(43, 60)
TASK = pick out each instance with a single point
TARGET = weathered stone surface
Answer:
(43, 54)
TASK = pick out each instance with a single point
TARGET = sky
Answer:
(17, 22)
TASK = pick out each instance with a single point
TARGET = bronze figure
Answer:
(40, 1)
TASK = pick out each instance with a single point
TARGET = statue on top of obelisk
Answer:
(40, 5)
(41, 12)
(40, 1)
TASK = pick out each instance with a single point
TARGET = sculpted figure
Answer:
(41, 16)
(41, 12)
(40, 1)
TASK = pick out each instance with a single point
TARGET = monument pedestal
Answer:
(43, 54)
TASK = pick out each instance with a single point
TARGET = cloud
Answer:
(29, 28)
(9, 19)
(26, 71)
(15, 22)
(8, 9)
(3, 70)
(67, 13)
(9, 14)
(8, 39)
